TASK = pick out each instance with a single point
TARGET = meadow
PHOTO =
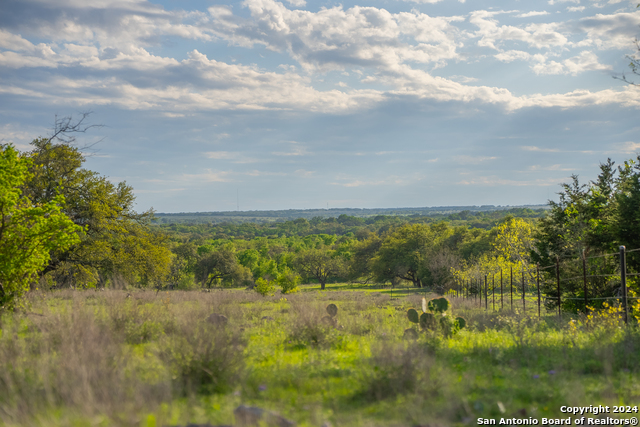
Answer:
(147, 358)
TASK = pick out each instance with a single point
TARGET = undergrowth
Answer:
(145, 358)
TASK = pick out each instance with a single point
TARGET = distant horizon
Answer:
(458, 208)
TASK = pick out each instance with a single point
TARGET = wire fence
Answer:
(572, 283)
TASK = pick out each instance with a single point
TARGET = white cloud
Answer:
(552, 2)
(336, 38)
(463, 79)
(297, 3)
(208, 176)
(388, 51)
(532, 13)
(586, 61)
(615, 31)
(490, 33)
(534, 148)
(576, 9)
(628, 147)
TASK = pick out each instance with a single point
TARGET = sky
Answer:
(212, 105)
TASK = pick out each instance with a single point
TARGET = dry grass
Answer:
(109, 354)
(115, 357)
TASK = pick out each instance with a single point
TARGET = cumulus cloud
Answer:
(552, 2)
(615, 31)
(532, 13)
(337, 38)
(583, 62)
(102, 54)
(492, 34)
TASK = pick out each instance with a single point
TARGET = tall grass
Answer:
(147, 358)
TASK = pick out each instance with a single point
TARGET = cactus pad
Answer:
(332, 309)
(447, 326)
(410, 334)
(412, 314)
(439, 305)
(427, 321)
(460, 322)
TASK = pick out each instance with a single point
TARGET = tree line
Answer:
(62, 225)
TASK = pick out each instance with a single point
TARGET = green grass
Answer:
(84, 358)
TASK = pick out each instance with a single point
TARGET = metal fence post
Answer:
(584, 279)
(623, 279)
(501, 298)
(524, 309)
(538, 283)
(558, 283)
(493, 290)
(511, 288)
(486, 297)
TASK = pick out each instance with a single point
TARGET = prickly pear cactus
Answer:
(436, 318)
(460, 322)
(410, 334)
(427, 321)
(332, 309)
(446, 326)
(439, 305)
(412, 314)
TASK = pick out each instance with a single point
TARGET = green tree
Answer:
(403, 253)
(116, 241)
(221, 265)
(588, 220)
(28, 231)
(320, 264)
(584, 220)
(288, 281)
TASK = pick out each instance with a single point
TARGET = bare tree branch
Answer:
(66, 128)
(634, 65)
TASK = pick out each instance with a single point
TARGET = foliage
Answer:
(116, 243)
(220, 265)
(583, 221)
(264, 287)
(402, 254)
(152, 358)
(436, 319)
(28, 231)
(319, 264)
(288, 281)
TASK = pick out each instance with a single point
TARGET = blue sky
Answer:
(308, 104)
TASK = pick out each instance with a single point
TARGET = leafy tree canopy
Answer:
(29, 231)
(115, 242)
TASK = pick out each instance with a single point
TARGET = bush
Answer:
(264, 287)
(288, 281)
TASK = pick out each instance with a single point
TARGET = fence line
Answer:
(473, 287)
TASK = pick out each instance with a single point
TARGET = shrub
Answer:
(264, 287)
(288, 281)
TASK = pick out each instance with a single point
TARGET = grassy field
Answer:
(141, 358)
